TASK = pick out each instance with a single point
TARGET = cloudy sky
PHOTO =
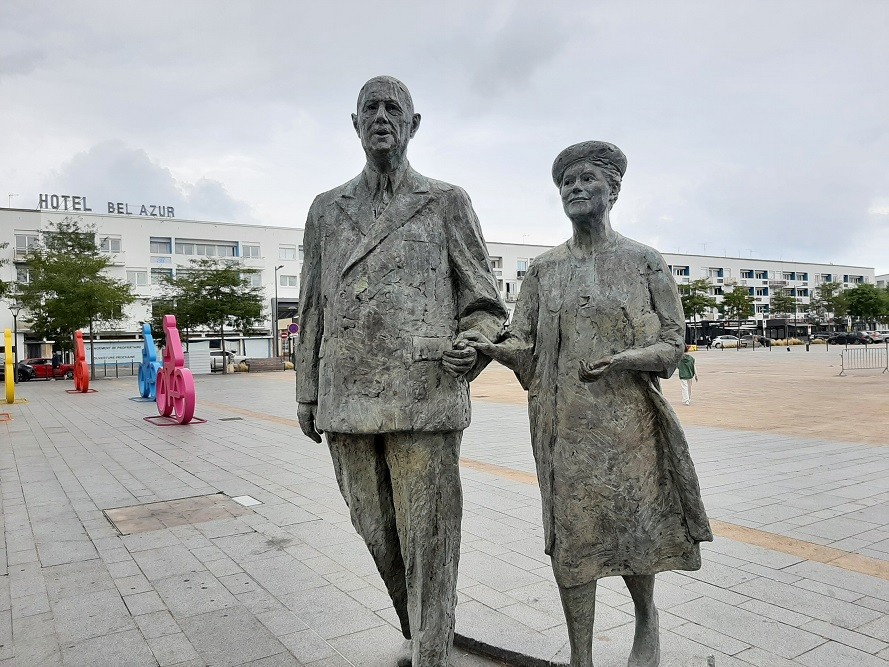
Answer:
(752, 128)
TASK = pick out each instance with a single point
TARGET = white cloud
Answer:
(755, 125)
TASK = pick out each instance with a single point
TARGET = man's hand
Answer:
(460, 360)
(305, 413)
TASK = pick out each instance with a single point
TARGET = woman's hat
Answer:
(600, 151)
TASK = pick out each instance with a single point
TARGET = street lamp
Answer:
(275, 310)
(15, 308)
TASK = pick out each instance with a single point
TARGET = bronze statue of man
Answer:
(396, 275)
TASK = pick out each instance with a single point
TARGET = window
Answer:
(158, 275)
(302, 253)
(24, 243)
(254, 278)
(250, 251)
(110, 244)
(287, 252)
(762, 275)
(762, 291)
(206, 248)
(746, 273)
(160, 246)
(496, 262)
(762, 308)
(714, 273)
(680, 271)
(137, 278)
(22, 275)
(521, 265)
(288, 281)
(802, 276)
(802, 291)
(788, 275)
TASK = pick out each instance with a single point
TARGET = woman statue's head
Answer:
(588, 176)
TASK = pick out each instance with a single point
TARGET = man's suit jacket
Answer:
(381, 300)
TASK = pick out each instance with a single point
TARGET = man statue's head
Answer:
(385, 121)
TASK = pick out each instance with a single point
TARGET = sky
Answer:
(752, 129)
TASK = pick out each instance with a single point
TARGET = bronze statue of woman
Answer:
(597, 323)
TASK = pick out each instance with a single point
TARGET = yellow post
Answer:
(10, 369)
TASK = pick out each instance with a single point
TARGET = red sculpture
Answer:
(175, 394)
(81, 369)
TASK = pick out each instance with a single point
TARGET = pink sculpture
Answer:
(175, 385)
(81, 369)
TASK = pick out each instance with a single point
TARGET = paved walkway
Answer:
(798, 575)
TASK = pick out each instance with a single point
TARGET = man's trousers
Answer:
(686, 391)
(404, 495)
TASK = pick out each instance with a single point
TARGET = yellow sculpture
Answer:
(10, 370)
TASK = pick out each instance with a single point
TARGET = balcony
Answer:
(520, 274)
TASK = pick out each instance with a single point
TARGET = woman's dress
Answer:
(620, 494)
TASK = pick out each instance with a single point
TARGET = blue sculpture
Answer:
(150, 366)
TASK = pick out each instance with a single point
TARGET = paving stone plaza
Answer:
(798, 574)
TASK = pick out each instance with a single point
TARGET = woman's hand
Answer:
(590, 372)
(479, 342)
(500, 353)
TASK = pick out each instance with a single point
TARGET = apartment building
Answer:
(144, 246)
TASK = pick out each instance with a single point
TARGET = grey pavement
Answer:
(287, 582)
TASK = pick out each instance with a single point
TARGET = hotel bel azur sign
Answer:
(46, 202)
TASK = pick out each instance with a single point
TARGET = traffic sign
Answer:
(293, 328)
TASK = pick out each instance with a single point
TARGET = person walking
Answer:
(56, 364)
(686, 373)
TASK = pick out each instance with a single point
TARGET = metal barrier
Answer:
(867, 358)
(117, 370)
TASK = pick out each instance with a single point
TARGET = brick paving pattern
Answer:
(287, 581)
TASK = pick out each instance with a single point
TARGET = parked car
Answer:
(25, 372)
(760, 340)
(43, 369)
(876, 336)
(728, 341)
(853, 338)
(823, 335)
(216, 359)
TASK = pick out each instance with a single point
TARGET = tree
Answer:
(68, 288)
(828, 301)
(782, 302)
(866, 302)
(5, 288)
(737, 305)
(214, 294)
(696, 299)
